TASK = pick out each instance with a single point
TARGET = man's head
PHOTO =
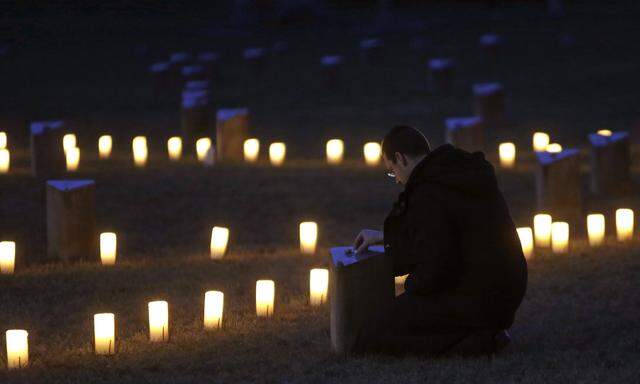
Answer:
(402, 149)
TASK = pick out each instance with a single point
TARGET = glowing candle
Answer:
(308, 237)
(104, 333)
(595, 229)
(318, 286)
(204, 150)
(5, 160)
(158, 321)
(69, 141)
(605, 132)
(560, 237)
(372, 152)
(108, 247)
(540, 141)
(105, 145)
(624, 224)
(251, 150)
(525, 234)
(219, 240)
(507, 152)
(213, 308)
(174, 148)
(73, 158)
(3, 140)
(542, 229)
(335, 151)
(265, 293)
(554, 148)
(140, 152)
(7, 257)
(399, 280)
(17, 348)
(277, 153)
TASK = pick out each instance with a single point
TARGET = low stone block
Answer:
(71, 221)
(47, 153)
(610, 161)
(465, 132)
(232, 129)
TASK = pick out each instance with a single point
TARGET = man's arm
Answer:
(367, 238)
(431, 242)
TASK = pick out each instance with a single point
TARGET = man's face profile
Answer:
(396, 169)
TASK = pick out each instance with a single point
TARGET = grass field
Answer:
(579, 320)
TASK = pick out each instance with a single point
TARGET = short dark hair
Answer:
(406, 140)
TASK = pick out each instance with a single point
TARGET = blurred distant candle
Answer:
(554, 148)
(3, 140)
(219, 240)
(560, 237)
(73, 158)
(540, 141)
(605, 132)
(335, 151)
(595, 229)
(7, 257)
(399, 280)
(265, 293)
(69, 141)
(624, 224)
(203, 149)
(507, 152)
(372, 152)
(277, 153)
(105, 145)
(140, 151)
(542, 229)
(158, 321)
(525, 234)
(213, 309)
(104, 333)
(308, 237)
(5, 160)
(251, 150)
(17, 348)
(174, 148)
(108, 247)
(318, 286)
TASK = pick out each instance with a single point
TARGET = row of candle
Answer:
(540, 142)
(308, 232)
(547, 233)
(104, 323)
(277, 151)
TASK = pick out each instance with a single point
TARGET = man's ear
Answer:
(400, 158)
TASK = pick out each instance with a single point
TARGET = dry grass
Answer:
(578, 322)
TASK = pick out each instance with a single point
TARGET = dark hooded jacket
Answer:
(451, 231)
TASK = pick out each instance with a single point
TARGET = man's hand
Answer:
(366, 238)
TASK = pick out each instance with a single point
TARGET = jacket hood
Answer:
(455, 169)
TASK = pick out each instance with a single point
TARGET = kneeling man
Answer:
(450, 230)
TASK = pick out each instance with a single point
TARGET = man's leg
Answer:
(410, 327)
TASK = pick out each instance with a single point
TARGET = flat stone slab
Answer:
(485, 89)
(601, 141)
(330, 60)
(229, 113)
(546, 158)
(440, 64)
(455, 123)
(38, 127)
(69, 185)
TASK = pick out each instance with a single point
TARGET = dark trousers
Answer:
(416, 326)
